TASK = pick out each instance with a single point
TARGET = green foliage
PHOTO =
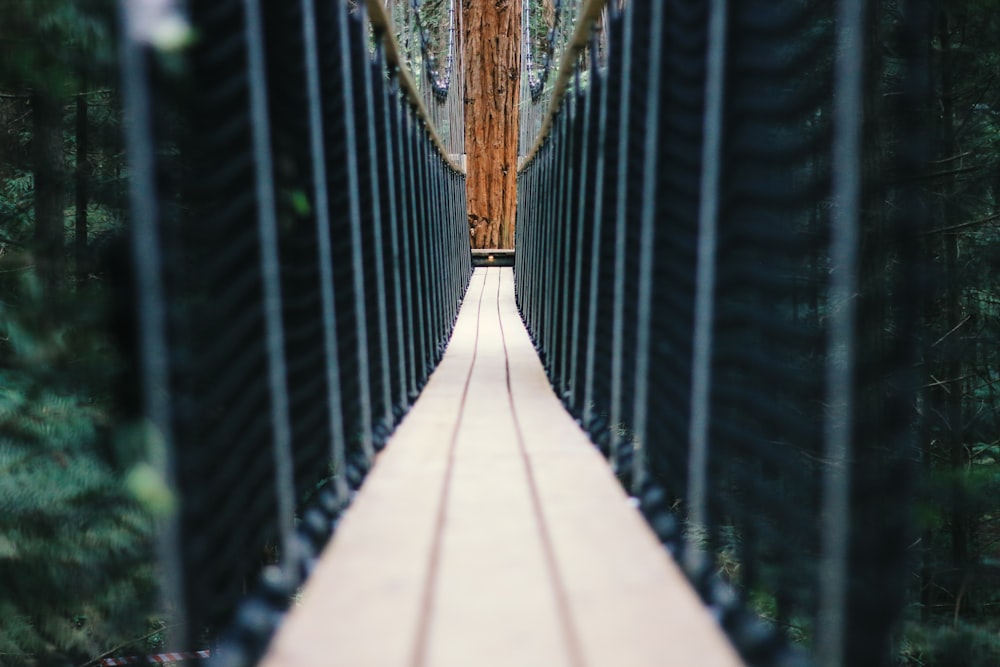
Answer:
(50, 44)
(963, 645)
(15, 207)
(76, 546)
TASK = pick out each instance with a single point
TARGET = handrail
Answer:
(581, 36)
(382, 23)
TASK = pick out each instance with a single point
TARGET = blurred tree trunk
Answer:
(952, 367)
(50, 188)
(492, 42)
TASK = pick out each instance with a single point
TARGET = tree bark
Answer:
(492, 42)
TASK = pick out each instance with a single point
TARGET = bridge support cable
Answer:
(379, 260)
(572, 393)
(590, 333)
(704, 298)
(267, 222)
(292, 252)
(152, 314)
(620, 208)
(647, 240)
(385, 152)
(356, 244)
(847, 163)
(317, 147)
(703, 289)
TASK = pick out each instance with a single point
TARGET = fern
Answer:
(76, 546)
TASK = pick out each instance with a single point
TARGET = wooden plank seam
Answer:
(434, 566)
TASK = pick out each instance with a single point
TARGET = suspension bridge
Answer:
(674, 432)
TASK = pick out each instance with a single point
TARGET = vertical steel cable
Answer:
(557, 247)
(523, 226)
(426, 249)
(568, 231)
(405, 225)
(454, 251)
(621, 184)
(270, 268)
(704, 305)
(533, 210)
(647, 238)
(354, 212)
(848, 116)
(395, 221)
(415, 254)
(545, 195)
(324, 241)
(525, 264)
(595, 259)
(581, 220)
(151, 304)
(434, 256)
(552, 265)
(439, 226)
(379, 258)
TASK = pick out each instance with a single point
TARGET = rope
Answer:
(536, 83)
(585, 22)
(440, 85)
(382, 25)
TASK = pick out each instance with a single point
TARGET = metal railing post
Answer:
(848, 117)
(621, 209)
(324, 241)
(647, 239)
(704, 304)
(378, 223)
(595, 259)
(580, 222)
(151, 297)
(354, 216)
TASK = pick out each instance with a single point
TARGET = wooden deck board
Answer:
(491, 532)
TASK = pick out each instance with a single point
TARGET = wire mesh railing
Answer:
(722, 283)
(430, 43)
(546, 36)
(299, 264)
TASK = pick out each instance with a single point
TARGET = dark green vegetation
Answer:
(955, 599)
(77, 558)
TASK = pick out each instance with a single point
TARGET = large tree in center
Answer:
(492, 38)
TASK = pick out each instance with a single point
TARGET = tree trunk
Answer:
(952, 371)
(50, 188)
(492, 32)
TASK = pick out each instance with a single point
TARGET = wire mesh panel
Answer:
(311, 282)
(715, 268)
(768, 353)
(225, 470)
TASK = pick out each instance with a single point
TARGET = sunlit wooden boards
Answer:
(491, 532)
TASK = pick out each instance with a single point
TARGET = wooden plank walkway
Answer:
(491, 532)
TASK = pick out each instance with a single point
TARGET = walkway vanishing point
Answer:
(491, 532)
